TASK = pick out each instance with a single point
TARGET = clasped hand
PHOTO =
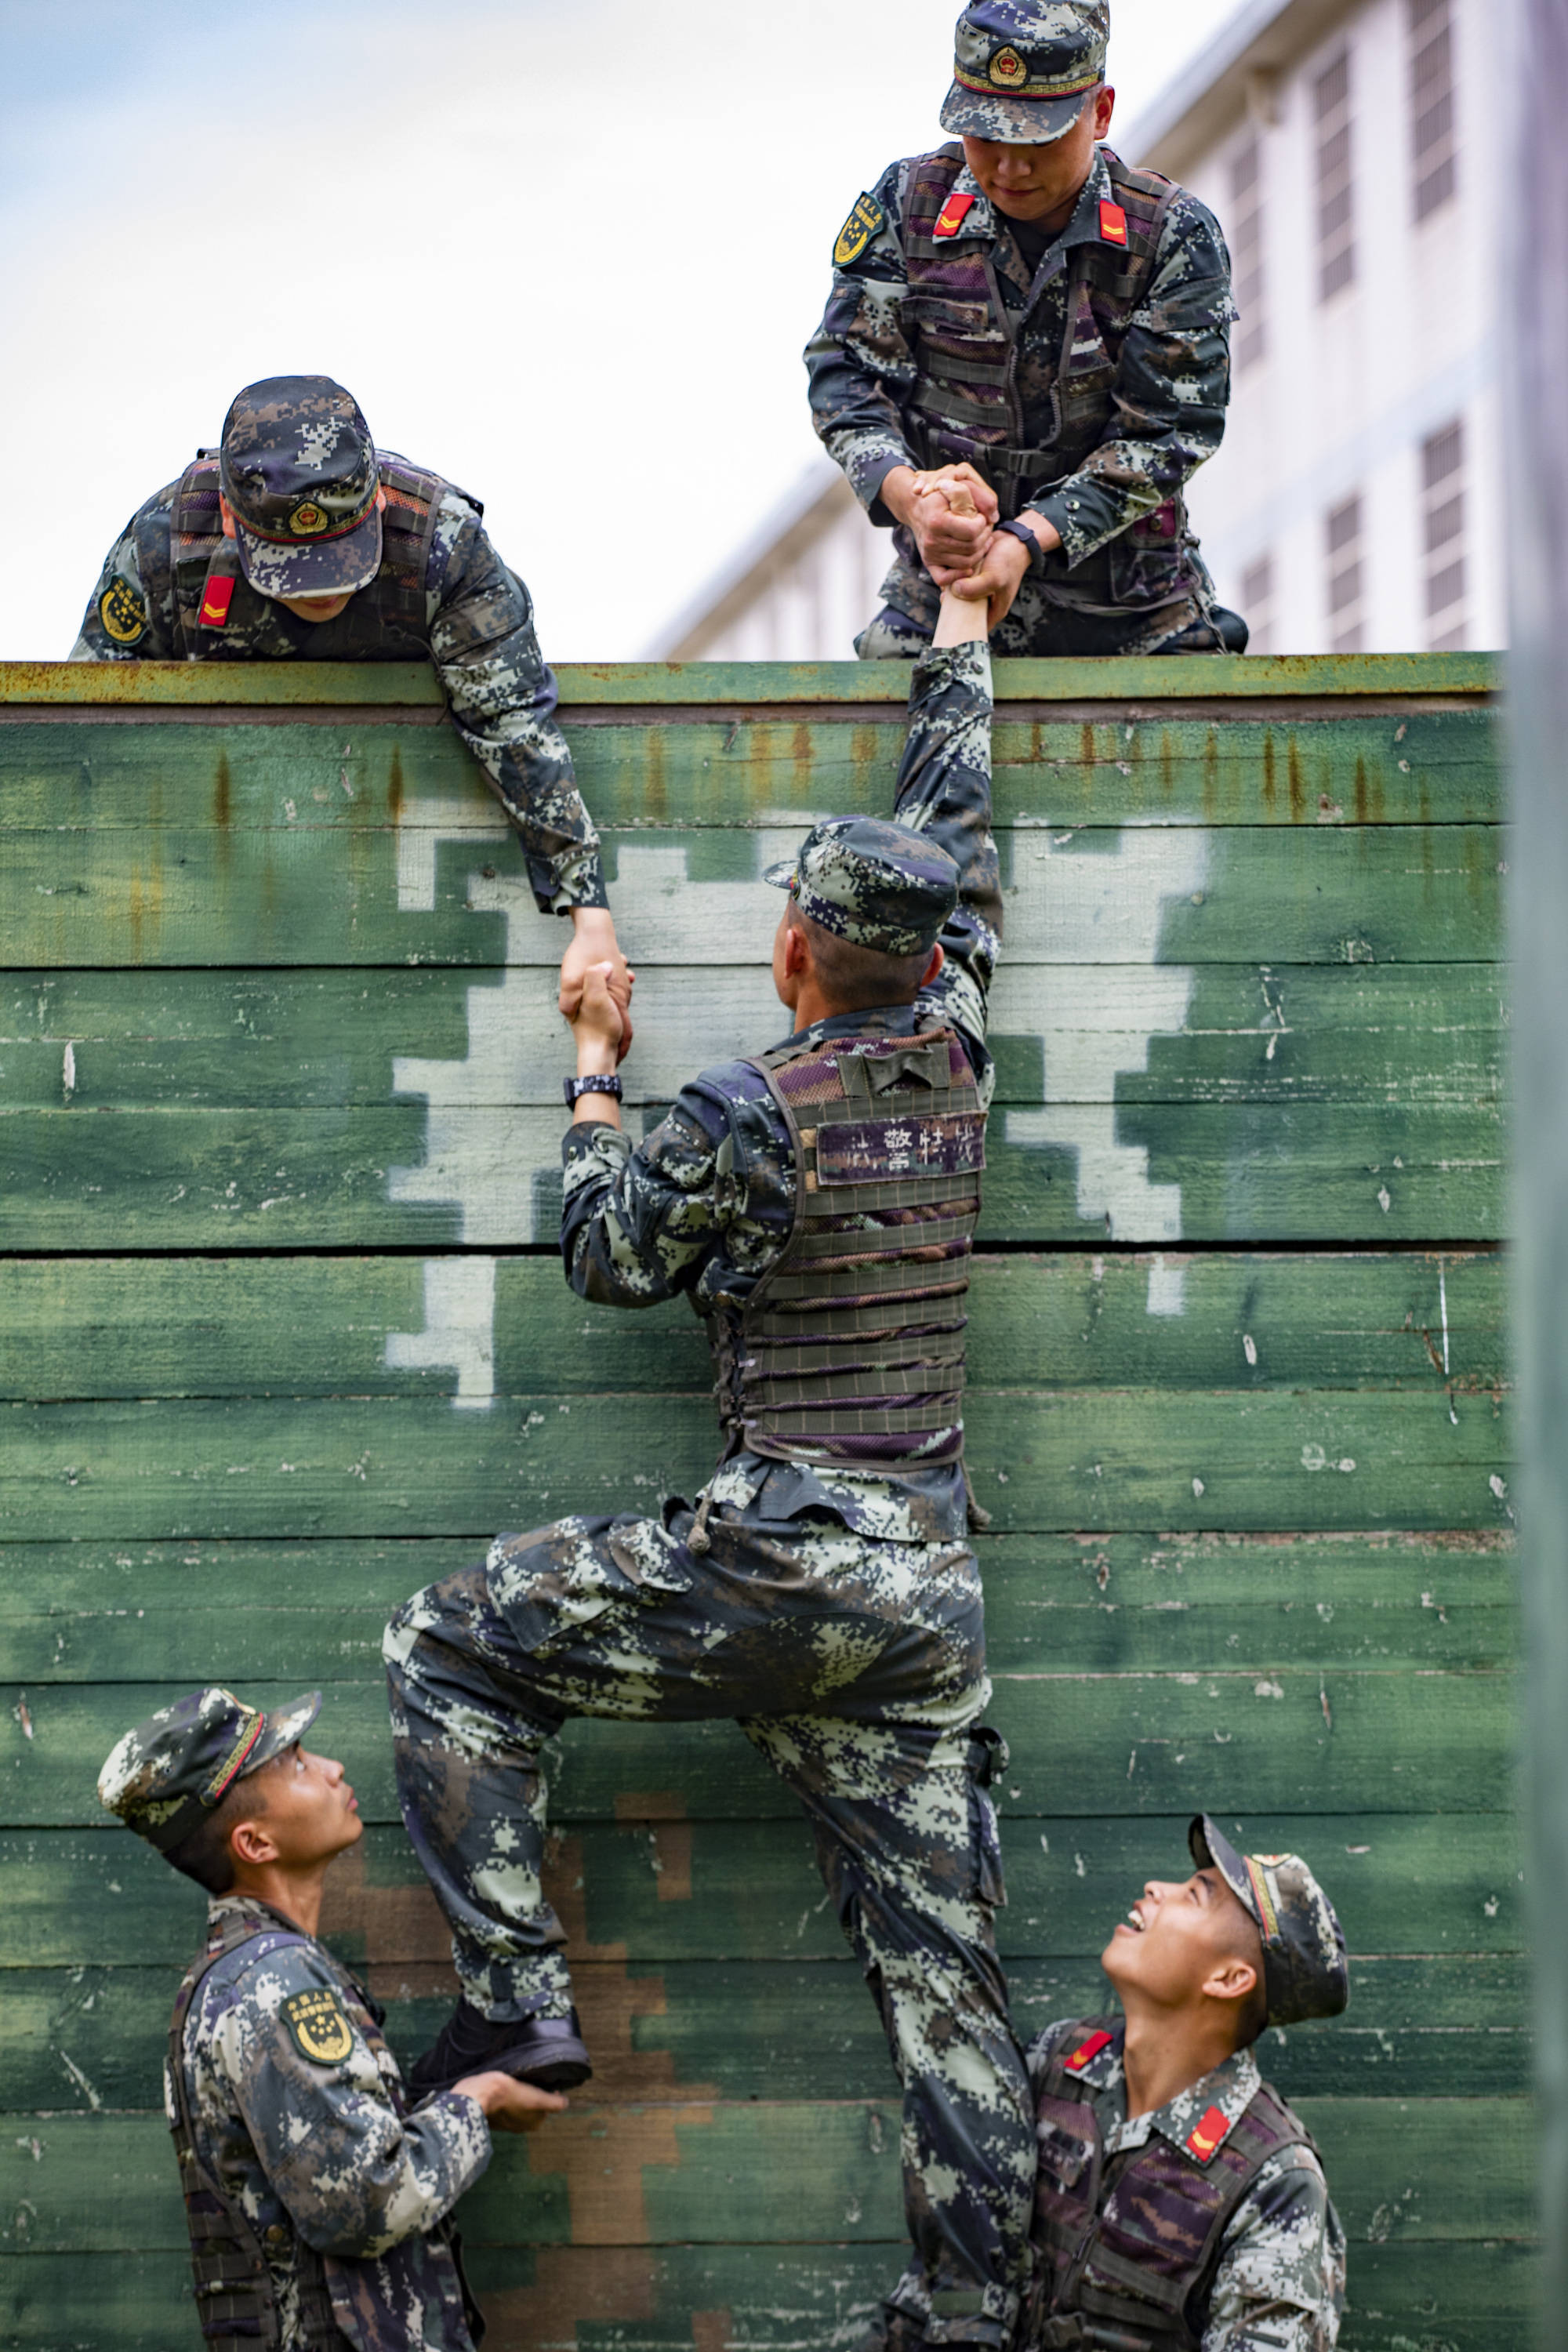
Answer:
(952, 513)
(596, 954)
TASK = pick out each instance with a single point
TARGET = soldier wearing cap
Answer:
(1181, 2206)
(1025, 307)
(817, 1205)
(318, 2202)
(297, 540)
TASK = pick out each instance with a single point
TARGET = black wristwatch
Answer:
(1020, 530)
(573, 1087)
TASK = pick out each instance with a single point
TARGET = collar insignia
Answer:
(951, 218)
(1209, 2135)
(215, 603)
(1088, 2052)
(1112, 223)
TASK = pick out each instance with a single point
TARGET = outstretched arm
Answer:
(944, 789)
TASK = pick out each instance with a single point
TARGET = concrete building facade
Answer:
(1356, 505)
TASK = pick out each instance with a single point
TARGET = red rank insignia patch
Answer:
(1088, 2052)
(1113, 224)
(951, 218)
(1209, 2135)
(215, 603)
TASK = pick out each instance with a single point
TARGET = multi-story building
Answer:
(1357, 502)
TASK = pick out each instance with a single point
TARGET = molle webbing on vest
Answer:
(236, 2304)
(1128, 2245)
(963, 334)
(852, 1350)
(394, 600)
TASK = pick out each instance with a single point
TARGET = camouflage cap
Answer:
(878, 886)
(298, 465)
(1023, 69)
(1304, 1970)
(165, 1776)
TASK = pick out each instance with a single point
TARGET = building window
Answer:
(1342, 532)
(1443, 537)
(1434, 154)
(1247, 242)
(1258, 604)
(1336, 186)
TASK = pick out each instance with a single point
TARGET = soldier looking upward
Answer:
(817, 1205)
(1181, 2207)
(297, 540)
(1025, 306)
(318, 2203)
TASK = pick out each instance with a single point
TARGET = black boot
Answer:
(548, 2051)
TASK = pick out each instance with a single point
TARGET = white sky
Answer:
(567, 254)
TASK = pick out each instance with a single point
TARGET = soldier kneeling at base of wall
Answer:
(1180, 2206)
(318, 2204)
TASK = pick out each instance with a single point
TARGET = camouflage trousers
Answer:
(856, 1669)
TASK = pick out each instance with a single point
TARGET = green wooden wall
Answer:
(283, 1336)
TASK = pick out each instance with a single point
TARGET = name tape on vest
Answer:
(886, 1150)
(952, 217)
(215, 602)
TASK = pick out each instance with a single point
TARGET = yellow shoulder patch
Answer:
(858, 230)
(122, 612)
(318, 2026)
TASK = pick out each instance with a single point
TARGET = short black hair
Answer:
(854, 978)
(1253, 2011)
(205, 1855)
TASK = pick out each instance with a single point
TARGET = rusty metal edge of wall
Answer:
(345, 686)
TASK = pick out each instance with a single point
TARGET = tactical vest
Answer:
(851, 1350)
(236, 2301)
(389, 612)
(1126, 2247)
(965, 338)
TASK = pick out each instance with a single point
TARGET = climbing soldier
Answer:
(1022, 306)
(297, 540)
(1181, 2207)
(318, 2203)
(817, 1205)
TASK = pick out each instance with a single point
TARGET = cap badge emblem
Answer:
(307, 520)
(1007, 69)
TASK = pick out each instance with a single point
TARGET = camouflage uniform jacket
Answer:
(1280, 2282)
(325, 2152)
(478, 630)
(706, 1204)
(1168, 402)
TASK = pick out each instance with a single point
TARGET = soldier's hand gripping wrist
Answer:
(594, 942)
(951, 511)
(598, 1025)
(509, 2105)
(1006, 565)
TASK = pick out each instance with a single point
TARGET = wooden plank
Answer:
(173, 684)
(1328, 765)
(363, 1178)
(1421, 1035)
(1191, 1461)
(1293, 1739)
(89, 2040)
(105, 1327)
(204, 1613)
(174, 894)
(746, 2298)
(777, 2172)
